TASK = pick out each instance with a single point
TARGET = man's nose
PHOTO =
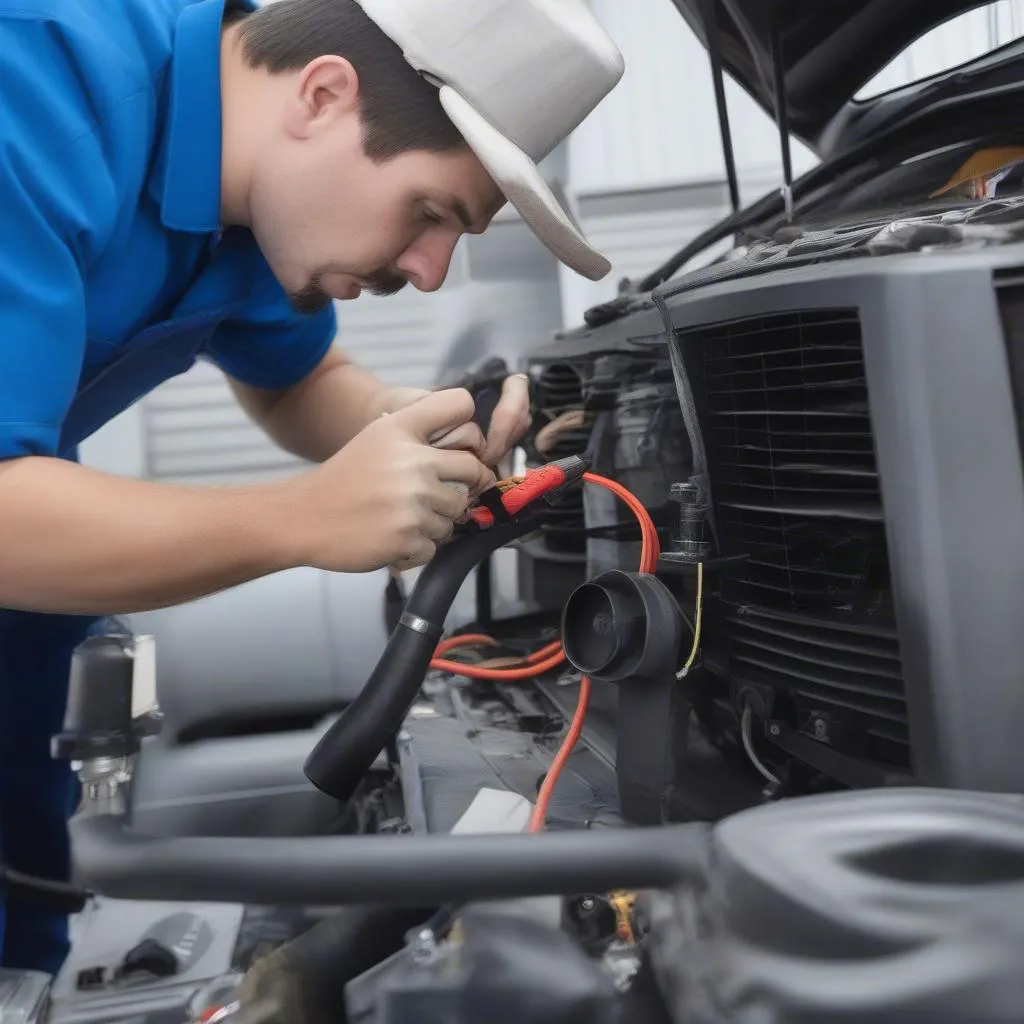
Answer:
(425, 263)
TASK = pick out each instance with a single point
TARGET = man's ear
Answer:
(326, 90)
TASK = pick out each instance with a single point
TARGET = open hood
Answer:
(828, 49)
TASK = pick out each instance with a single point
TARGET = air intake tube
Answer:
(346, 751)
(114, 860)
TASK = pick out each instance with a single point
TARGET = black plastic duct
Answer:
(626, 628)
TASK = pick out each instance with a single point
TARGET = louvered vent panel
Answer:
(784, 407)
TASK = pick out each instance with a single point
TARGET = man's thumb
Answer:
(437, 413)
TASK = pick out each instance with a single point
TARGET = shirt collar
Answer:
(186, 176)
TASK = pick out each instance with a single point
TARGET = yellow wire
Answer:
(697, 623)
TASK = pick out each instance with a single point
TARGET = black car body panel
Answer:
(828, 51)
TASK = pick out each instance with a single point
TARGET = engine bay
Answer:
(715, 765)
(658, 792)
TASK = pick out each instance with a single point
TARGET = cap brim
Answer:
(522, 184)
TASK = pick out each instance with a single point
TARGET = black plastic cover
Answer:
(98, 720)
(888, 906)
(626, 628)
(622, 627)
(506, 967)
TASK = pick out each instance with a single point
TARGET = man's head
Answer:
(357, 165)
(351, 174)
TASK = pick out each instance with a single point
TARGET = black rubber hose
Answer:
(345, 752)
(59, 897)
(396, 871)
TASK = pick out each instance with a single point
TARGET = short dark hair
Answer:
(401, 111)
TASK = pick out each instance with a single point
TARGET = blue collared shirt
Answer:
(114, 274)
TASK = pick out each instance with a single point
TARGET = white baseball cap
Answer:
(516, 77)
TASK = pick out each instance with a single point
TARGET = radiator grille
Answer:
(809, 612)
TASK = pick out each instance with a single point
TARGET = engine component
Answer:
(304, 981)
(888, 906)
(639, 439)
(881, 906)
(626, 628)
(98, 719)
(690, 541)
(504, 964)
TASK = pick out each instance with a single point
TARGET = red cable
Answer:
(547, 789)
(552, 655)
(466, 640)
(457, 668)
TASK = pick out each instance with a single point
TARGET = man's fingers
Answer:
(423, 554)
(464, 468)
(467, 438)
(436, 414)
(511, 418)
(439, 528)
(449, 500)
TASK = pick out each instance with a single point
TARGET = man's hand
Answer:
(510, 421)
(387, 497)
(511, 418)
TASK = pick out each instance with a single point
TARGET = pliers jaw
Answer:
(550, 482)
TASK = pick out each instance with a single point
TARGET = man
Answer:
(180, 181)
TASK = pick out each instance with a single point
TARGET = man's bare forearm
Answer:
(320, 415)
(78, 541)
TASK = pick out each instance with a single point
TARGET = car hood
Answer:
(828, 50)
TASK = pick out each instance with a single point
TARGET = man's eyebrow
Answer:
(459, 208)
(465, 217)
(461, 211)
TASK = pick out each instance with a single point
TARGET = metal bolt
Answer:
(587, 905)
(820, 729)
(425, 946)
(774, 730)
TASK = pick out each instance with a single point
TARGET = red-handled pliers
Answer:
(544, 482)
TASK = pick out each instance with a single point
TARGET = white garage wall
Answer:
(659, 127)
(118, 447)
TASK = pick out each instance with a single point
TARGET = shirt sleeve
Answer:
(55, 194)
(271, 346)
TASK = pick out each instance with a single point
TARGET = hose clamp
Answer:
(418, 625)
